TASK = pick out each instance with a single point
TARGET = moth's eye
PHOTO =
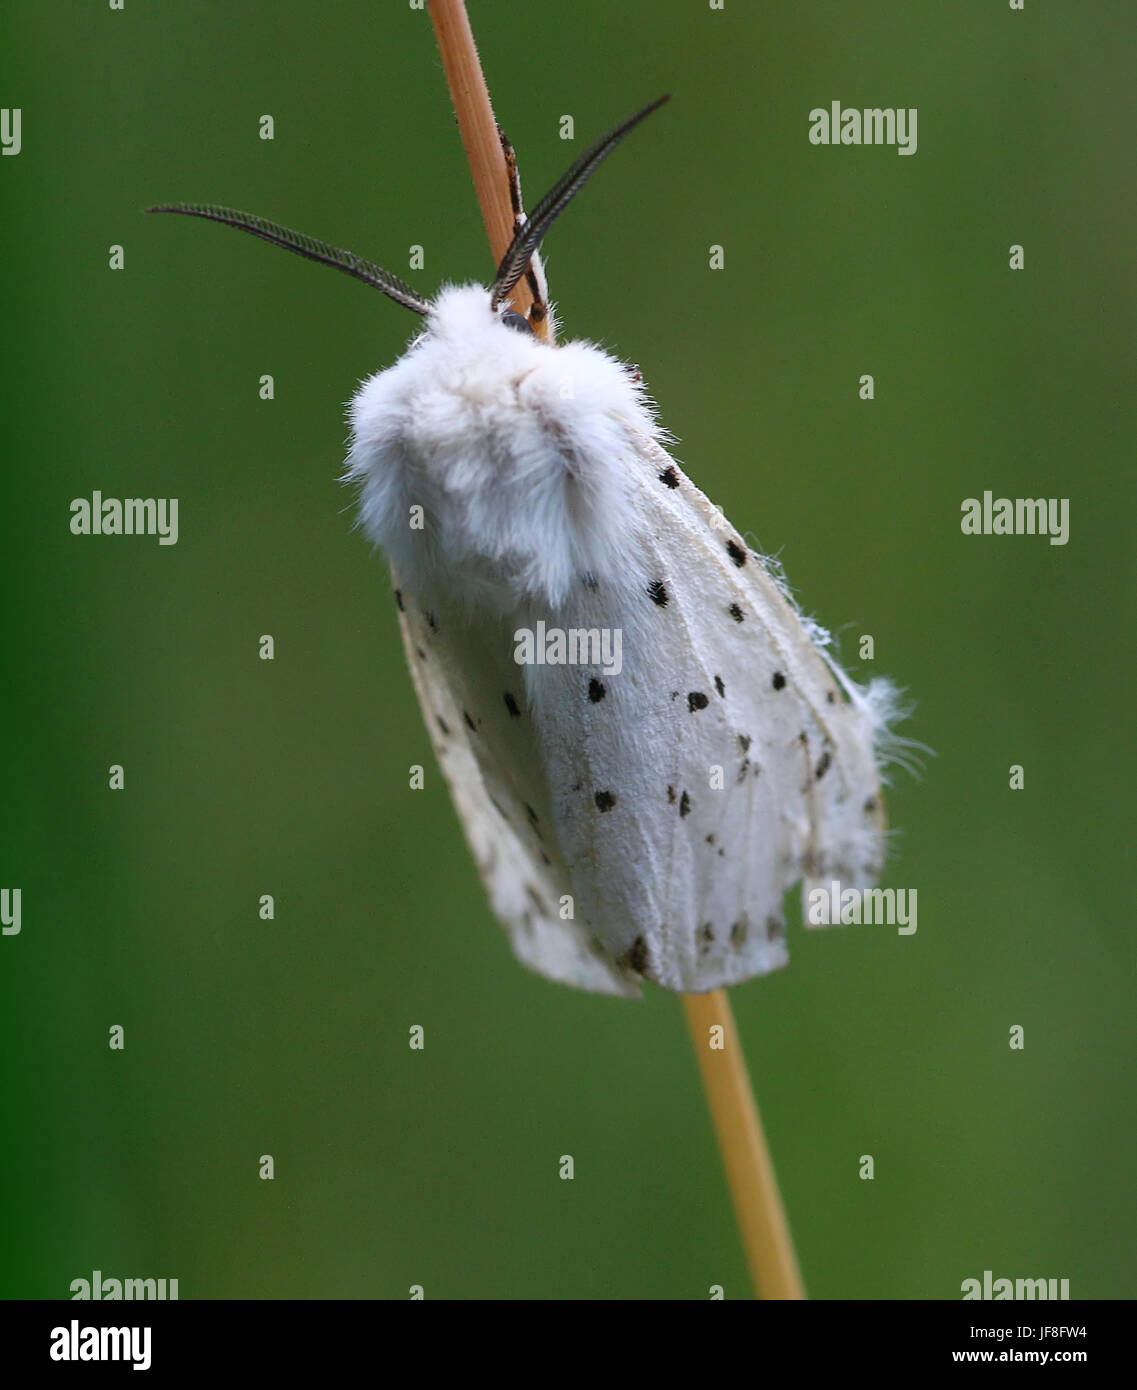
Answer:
(518, 322)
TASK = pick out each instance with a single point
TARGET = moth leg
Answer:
(514, 177)
(535, 273)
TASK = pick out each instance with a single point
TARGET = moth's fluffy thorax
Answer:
(498, 464)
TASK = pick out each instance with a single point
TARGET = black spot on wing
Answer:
(822, 765)
(735, 612)
(604, 800)
(669, 477)
(657, 592)
(399, 601)
(473, 728)
(719, 686)
(696, 700)
(684, 805)
(744, 742)
(736, 552)
(637, 956)
(442, 724)
(596, 690)
(779, 681)
(740, 931)
(671, 796)
(512, 706)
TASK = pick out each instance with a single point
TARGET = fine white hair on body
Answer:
(519, 453)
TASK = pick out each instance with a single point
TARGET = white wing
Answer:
(727, 761)
(476, 710)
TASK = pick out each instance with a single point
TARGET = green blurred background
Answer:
(244, 777)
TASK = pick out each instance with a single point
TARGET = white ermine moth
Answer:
(679, 748)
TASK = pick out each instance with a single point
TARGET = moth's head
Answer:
(465, 319)
(520, 259)
(511, 319)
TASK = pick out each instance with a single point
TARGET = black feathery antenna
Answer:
(528, 236)
(307, 246)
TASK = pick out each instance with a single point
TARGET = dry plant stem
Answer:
(750, 1176)
(478, 128)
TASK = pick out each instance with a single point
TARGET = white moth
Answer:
(630, 824)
